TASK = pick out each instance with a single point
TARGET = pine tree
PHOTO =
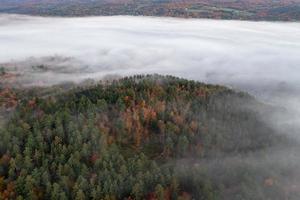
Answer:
(80, 195)
(159, 192)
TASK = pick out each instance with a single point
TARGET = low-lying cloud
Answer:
(198, 49)
(262, 58)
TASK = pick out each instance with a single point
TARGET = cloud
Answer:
(259, 57)
(198, 49)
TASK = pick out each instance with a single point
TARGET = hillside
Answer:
(283, 10)
(142, 137)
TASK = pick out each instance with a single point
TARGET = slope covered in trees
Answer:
(142, 137)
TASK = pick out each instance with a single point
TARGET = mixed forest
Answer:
(142, 137)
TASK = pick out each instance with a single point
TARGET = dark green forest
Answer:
(142, 137)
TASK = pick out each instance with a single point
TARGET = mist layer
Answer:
(259, 57)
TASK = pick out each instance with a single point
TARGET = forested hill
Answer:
(126, 139)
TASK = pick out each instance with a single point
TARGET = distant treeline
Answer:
(282, 10)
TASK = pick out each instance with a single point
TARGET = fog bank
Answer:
(262, 58)
(199, 49)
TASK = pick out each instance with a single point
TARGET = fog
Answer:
(262, 58)
(206, 50)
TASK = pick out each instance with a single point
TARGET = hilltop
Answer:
(140, 137)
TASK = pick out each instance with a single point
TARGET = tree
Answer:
(174, 187)
(159, 192)
(56, 191)
(2, 71)
(182, 145)
(137, 191)
(80, 195)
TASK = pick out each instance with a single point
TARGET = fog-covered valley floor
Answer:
(205, 50)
